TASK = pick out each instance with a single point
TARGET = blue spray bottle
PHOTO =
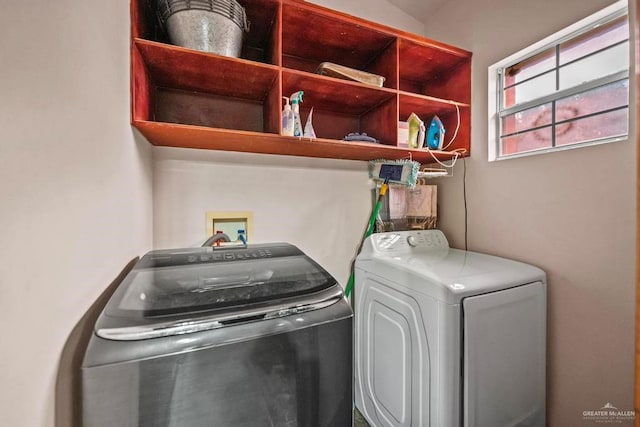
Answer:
(296, 99)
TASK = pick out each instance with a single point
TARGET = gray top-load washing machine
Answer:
(258, 335)
(446, 337)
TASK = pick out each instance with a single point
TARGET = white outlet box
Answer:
(229, 223)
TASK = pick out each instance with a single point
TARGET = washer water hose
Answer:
(218, 236)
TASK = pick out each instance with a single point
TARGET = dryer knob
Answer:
(411, 240)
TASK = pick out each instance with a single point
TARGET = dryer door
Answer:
(504, 357)
(392, 357)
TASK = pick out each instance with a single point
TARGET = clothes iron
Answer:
(435, 134)
(416, 131)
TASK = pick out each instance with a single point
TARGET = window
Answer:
(567, 91)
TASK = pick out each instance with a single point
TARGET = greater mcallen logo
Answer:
(608, 414)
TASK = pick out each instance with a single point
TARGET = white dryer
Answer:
(446, 337)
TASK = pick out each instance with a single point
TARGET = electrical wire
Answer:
(457, 152)
(455, 133)
(464, 197)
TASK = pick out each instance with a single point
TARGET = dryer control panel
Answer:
(408, 241)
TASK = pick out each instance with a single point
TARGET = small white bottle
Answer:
(287, 119)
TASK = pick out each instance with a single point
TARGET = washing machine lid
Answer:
(422, 262)
(183, 282)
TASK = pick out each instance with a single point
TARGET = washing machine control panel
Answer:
(188, 256)
(407, 241)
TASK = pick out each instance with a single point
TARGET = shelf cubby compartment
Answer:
(427, 107)
(313, 35)
(198, 88)
(341, 107)
(260, 44)
(434, 70)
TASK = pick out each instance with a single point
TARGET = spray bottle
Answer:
(296, 99)
(287, 119)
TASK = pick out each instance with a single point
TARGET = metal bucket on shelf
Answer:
(215, 26)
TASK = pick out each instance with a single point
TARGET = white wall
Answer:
(321, 206)
(571, 213)
(75, 187)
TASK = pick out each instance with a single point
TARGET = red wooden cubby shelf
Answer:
(186, 98)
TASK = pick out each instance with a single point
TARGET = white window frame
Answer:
(609, 13)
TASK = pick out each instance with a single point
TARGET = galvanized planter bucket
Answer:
(215, 26)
